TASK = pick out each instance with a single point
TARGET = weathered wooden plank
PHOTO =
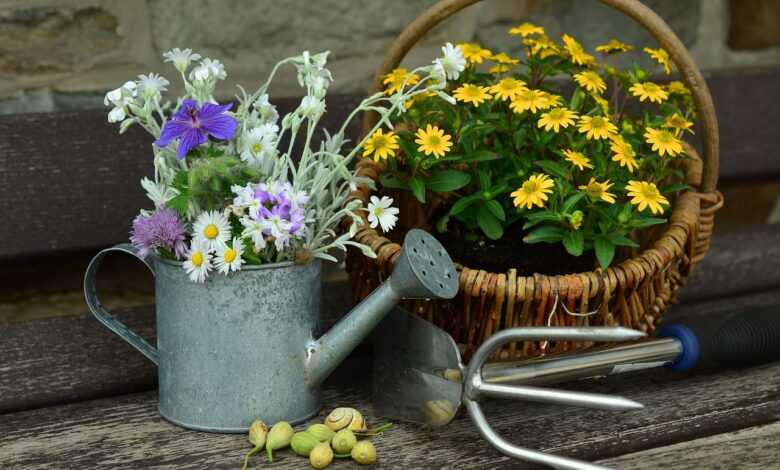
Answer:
(739, 261)
(69, 182)
(126, 431)
(751, 448)
(61, 360)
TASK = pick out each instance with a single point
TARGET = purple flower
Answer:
(193, 126)
(161, 229)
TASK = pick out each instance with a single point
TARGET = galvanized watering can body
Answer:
(242, 347)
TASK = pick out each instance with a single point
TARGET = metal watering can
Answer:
(242, 347)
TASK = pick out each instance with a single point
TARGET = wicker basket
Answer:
(633, 293)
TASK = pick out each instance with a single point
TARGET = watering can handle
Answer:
(93, 302)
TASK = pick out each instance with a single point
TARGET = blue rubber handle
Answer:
(741, 339)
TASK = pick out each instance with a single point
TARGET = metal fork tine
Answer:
(597, 333)
(558, 397)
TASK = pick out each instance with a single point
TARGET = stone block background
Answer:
(64, 54)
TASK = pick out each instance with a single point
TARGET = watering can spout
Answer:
(423, 270)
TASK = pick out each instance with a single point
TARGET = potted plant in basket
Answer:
(560, 182)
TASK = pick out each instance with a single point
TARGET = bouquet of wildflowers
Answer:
(556, 144)
(225, 192)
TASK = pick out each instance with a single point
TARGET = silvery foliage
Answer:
(323, 169)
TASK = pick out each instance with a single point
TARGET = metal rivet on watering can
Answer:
(423, 270)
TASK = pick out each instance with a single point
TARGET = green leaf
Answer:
(647, 222)
(674, 188)
(444, 181)
(576, 100)
(621, 240)
(554, 168)
(484, 180)
(463, 203)
(548, 233)
(572, 201)
(539, 217)
(480, 156)
(489, 224)
(574, 242)
(179, 203)
(518, 138)
(418, 188)
(605, 251)
(393, 181)
(496, 209)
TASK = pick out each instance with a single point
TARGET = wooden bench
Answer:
(73, 395)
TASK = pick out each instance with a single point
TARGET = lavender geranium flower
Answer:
(161, 229)
(193, 126)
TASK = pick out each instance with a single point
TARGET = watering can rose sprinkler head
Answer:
(423, 270)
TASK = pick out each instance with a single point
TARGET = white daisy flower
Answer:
(381, 213)
(198, 262)
(120, 98)
(208, 69)
(159, 193)
(152, 85)
(259, 144)
(229, 259)
(181, 58)
(245, 199)
(254, 230)
(311, 107)
(212, 230)
(453, 62)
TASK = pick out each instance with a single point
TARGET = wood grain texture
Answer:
(126, 431)
(69, 181)
(751, 448)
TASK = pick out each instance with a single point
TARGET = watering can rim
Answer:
(245, 267)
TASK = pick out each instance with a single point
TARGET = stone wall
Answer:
(64, 54)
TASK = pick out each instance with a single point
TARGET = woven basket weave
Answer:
(633, 293)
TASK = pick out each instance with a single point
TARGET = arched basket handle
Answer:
(635, 9)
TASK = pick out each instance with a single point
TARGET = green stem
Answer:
(250, 454)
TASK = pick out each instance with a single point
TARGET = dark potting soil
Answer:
(499, 256)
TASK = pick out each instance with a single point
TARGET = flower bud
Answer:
(321, 456)
(627, 127)
(364, 453)
(279, 437)
(624, 217)
(302, 443)
(575, 219)
(343, 441)
(257, 433)
(321, 432)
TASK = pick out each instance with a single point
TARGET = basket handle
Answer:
(632, 8)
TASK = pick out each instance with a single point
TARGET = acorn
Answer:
(343, 441)
(279, 437)
(364, 453)
(257, 433)
(302, 443)
(321, 432)
(321, 456)
(345, 418)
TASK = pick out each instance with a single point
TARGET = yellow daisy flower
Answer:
(434, 141)
(575, 50)
(599, 191)
(474, 53)
(503, 58)
(533, 192)
(649, 91)
(660, 56)
(541, 46)
(395, 80)
(591, 81)
(679, 123)
(499, 68)
(526, 29)
(596, 127)
(602, 103)
(381, 145)
(623, 153)
(676, 87)
(577, 159)
(613, 47)
(532, 100)
(508, 88)
(557, 118)
(470, 93)
(663, 142)
(646, 194)
(552, 100)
